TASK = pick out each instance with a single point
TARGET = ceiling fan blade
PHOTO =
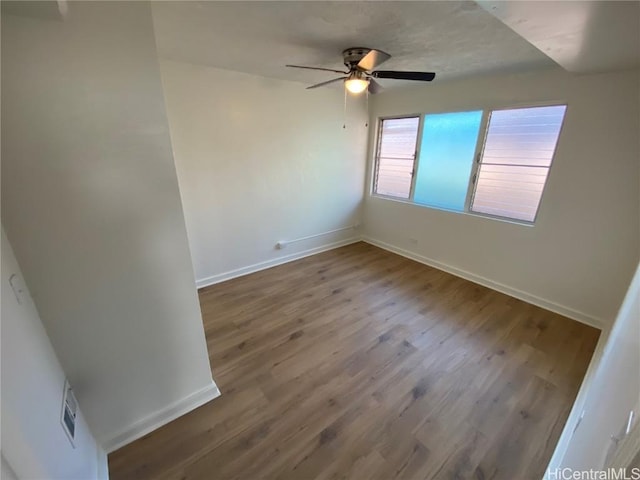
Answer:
(317, 68)
(374, 87)
(326, 83)
(420, 76)
(372, 59)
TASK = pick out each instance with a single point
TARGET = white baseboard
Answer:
(162, 417)
(513, 292)
(256, 267)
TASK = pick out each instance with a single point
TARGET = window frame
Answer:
(376, 157)
(480, 145)
(480, 154)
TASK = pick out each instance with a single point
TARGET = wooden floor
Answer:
(357, 363)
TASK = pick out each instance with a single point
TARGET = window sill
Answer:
(521, 223)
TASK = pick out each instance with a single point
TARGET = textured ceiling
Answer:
(582, 36)
(452, 38)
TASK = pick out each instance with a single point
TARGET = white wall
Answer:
(580, 255)
(6, 472)
(90, 203)
(261, 160)
(33, 440)
(612, 392)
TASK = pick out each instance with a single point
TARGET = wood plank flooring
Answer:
(360, 364)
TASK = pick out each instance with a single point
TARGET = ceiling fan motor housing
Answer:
(353, 55)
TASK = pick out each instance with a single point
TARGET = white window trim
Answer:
(414, 174)
(477, 155)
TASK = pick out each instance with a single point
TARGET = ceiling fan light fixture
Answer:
(356, 83)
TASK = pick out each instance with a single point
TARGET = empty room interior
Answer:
(320, 240)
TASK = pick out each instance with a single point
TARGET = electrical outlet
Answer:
(18, 288)
(280, 245)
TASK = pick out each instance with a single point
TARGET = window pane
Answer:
(525, 136)
(446, 157)
(396, 154)
(509, 191)
(516, 158)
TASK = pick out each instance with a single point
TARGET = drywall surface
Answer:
(260, 161)
(612, 393)
(33, 440)
(6, 472)
(91, 205)
(579, 256)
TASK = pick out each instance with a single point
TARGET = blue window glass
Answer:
(446, 157)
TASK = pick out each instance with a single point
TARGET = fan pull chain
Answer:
(344, 112)
(366, 125)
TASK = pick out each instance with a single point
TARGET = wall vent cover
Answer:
(69, 412)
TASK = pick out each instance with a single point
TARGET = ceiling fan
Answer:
(361, 63)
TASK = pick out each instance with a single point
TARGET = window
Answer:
(515, 161)
(447, 149)
(507, 178)
(396, 153)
